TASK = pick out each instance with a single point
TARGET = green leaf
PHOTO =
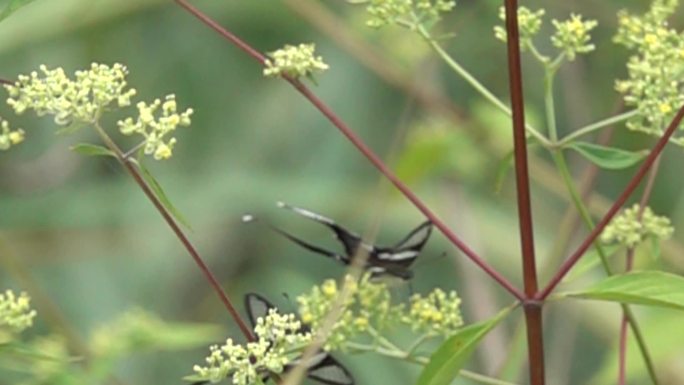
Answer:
(446, 363)
(12, 6)
(159, 192)
(651, 288)
(92, 150)
(607, 157)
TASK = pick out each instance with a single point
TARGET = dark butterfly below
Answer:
(321, 367)
(381, 261)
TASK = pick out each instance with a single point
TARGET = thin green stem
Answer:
(479, 87)
(559, 159)
(549, 104)
(596, 126)
(563, 169)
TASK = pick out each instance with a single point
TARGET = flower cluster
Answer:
(438, 313)
(16, 314)
(629, 231)
(91, 92)
(294, 61)
(71, 101)
(156, 129)
(654, 85)
(572, 35)
(279, 339)
(404, 12)
(529, 24)
(368, 309)
(9, 137)
(365, 304)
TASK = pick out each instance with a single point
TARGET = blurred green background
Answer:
(78, 230)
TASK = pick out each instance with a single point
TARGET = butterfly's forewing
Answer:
(311, 247)
(349, 240)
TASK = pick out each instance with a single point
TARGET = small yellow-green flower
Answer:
(529, 24)
(81, 100)
(629, 231)
(572, 35)
(279, 339)
(294, 61)
(366, 304)
(16, 314)
(156, 127)
(9, 137)
(437, 313)
(405, 12)
(654, 85)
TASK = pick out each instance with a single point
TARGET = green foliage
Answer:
(446, 363)
(650, 288)
(609, 158)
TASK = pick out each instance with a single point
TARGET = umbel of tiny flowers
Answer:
(83, 99)
(368, 305)
(405, 13)
(529, 24)
(279, 340)
(571, 36)
(655, 82)
(627, 230)
(16, 314)
(438, 313)
(9, 137)
(369, 311)
(294, 61)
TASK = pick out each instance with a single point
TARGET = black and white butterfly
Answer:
(381, 261)
(320, 367)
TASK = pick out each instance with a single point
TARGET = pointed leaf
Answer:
(12, 6)
(92, 150)
(446, 363)
(651, 288)
(159, 192)
(607, 157)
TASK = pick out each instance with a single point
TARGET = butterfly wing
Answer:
(396, 260)
(257, 307)
(350, 241)
(311, 247)
(330, 372)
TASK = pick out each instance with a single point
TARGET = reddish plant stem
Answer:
(533, 310)
(133, 171)
(629, 263)
(365, 150)
(631, 186)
